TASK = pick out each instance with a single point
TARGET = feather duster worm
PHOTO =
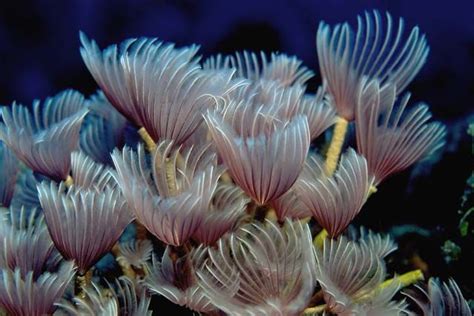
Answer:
(262, 269)
(393, 137)
(167, 278)
(25, 295)
(155, 85)
(440, 299)
(25, 242)
(121, 299)
(374, 50)
(351, 275)
(254, 152)
(172, 203)
(76, 218)
(334, 201)
(34, 137)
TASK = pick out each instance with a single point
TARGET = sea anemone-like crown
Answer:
(35, 137)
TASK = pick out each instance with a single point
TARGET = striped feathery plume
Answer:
(155, 85)
(351, 276)
(391, 136)
(279, 86)
(103, 129)
(439, 299)
(133, 299)
(286, 103)
(251, 143)
(281, 68)
(84, 222)
(226, 210)
(25, 295)
(94, 302)
(171, 196)
(25, 243)
(335, 200)
(378, 49)
(321, 115)
(135, 253)
(273, 99)
(8, 174)
(262, 269)
(90, 174)
(121, 299)
(289, 205)
(34, 136)
(166, 278)
(378, 244)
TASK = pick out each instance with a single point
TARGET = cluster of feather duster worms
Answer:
(202, 182)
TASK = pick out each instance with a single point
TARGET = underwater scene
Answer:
(236, 157)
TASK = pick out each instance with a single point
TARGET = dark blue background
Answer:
(39, 39)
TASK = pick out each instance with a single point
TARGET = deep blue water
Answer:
(39, 39)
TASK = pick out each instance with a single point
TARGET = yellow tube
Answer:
(372, 190)
(334, 151)
(69, 181)
(314, 310)
(405, 279)
(149, 142)
(319, 239)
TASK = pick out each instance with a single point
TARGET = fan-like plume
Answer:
(25, 243)
(380, 245)
(334, 201)
(216, 63)
(172, 203)
(374, 50)
(391, 137)
(174, 169)
(133, 302)
(289, 205)
(281, 68)
(23, 295)
(89, 174)
(440, 299)
(84, 223)
(263, 269)
(350, 276)
(123, 299)
(135, 253)
(155, 85)
(95, 302)
(8, 175)
(167, 278)
(20, 218)
(285, 70)
(264, 155)
(227, 208)
(321, 115)
(271, 99)
(35, 137)
(263, 90)
(121, 70)
(103, 129)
